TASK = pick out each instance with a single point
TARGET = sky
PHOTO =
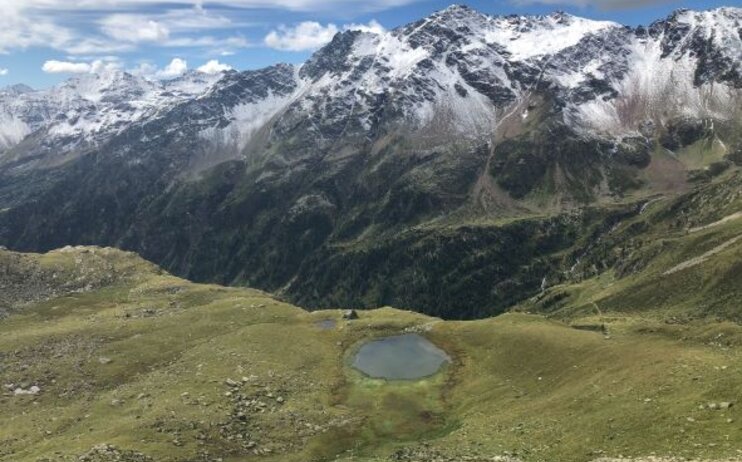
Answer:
(43, 42)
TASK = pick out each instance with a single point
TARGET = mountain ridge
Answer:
(265, 177)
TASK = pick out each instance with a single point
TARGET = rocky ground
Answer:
(24, 279)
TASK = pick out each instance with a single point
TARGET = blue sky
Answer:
(45, 41)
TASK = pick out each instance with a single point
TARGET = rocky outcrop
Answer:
(28, 278)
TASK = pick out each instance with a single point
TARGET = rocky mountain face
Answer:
(443, 165)
(42, 129)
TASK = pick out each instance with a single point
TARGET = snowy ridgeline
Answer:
(457, 67)
(92, 104)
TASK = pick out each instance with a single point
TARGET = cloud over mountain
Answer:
(310, 35)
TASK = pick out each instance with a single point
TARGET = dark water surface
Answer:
(401, 357)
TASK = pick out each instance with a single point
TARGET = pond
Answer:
(326, 324)
(400, 357)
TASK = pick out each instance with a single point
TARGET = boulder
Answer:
(350, 315)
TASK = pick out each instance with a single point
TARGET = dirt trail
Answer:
(726, 219)
(702, 258)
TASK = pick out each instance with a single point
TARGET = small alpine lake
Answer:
(399, 357)
(326, 324)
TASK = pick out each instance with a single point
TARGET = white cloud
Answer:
(208, 42)
(94, 27)
(161, 28)
(295, 5)
(20, 31)
(65, 67)
(176, 68)
(97, 66)
(373, 26)
(95, 46)
(104, 65)
(197, 18)
(310, 35)
(214, 67)
(134, 28)
(47, 23)
(3, 71)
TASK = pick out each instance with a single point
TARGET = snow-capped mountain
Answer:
(465, 72)
(457, 65)
(687, 65)
(274, 176)
(466, 67)
(89, 109)
(458, 69)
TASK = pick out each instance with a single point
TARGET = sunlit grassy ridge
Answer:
(171, 370)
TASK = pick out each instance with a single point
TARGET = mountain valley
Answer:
(548, 206)
(462, 121)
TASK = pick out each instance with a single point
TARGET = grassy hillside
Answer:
(678, 260)
(162, 369)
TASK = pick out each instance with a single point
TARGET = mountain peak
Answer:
(699, 17)
(562, 17)
(17, 89)
(457, 12)
(457, 8)
(686, 29)
(95, 86)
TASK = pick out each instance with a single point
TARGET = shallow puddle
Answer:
(401, 357)
(326, 324)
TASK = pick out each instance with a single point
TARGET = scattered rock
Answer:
(717, 406)
(350, 315)
(108, 453)
(33, 390)
(426, 453)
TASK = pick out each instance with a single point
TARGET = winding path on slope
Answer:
(702, 258)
